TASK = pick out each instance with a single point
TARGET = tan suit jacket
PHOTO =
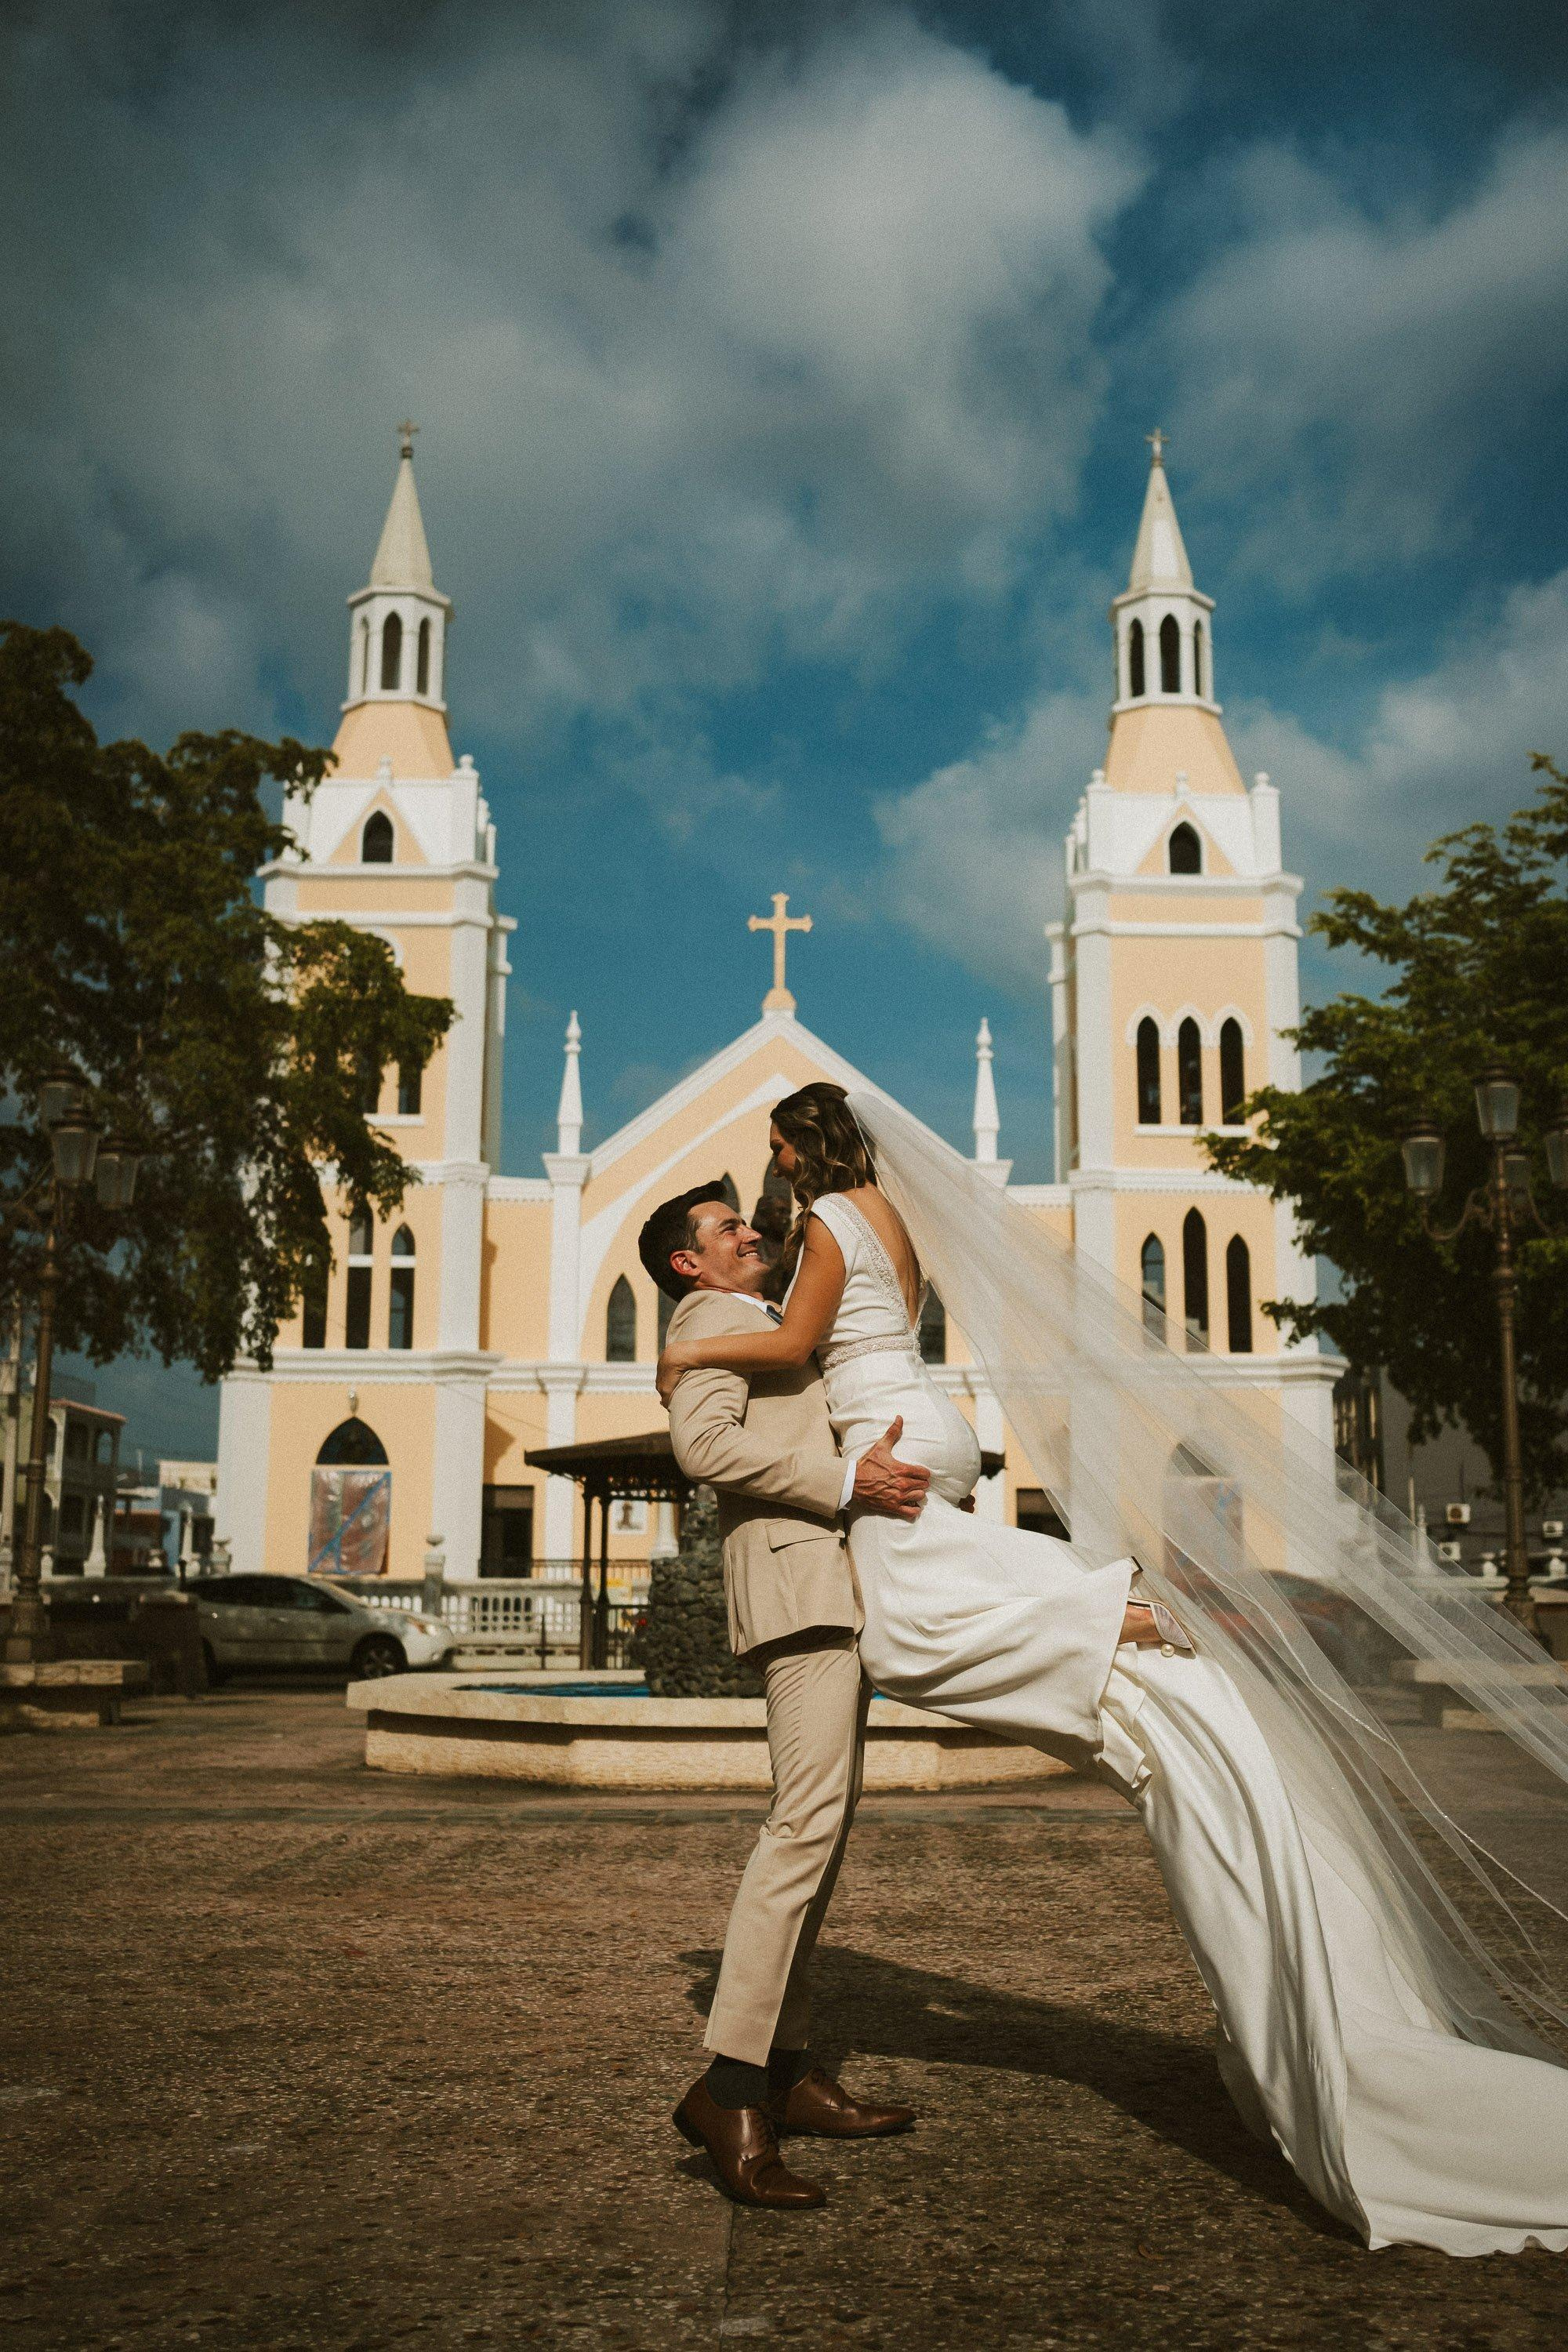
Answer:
(767, 1446)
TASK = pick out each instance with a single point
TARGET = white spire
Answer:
(1159, 557)
(568, 1114)
(402, 558)
(987, 1118)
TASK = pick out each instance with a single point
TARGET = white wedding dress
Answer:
(1407, 2132)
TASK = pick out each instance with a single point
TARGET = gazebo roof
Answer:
(641, 1467)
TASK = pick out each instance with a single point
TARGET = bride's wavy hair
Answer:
(831, 1153)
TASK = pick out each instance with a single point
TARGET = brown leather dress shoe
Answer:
(820, 2106)
(745, 2152)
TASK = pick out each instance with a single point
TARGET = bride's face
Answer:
(785, 1158)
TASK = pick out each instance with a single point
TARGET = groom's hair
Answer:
(671, 1228)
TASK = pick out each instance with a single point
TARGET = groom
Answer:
(794, 1610)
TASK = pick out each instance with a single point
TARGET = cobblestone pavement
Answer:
(298, 2055)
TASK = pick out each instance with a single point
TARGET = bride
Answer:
(1221, 1641)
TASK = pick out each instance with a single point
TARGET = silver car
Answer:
(302, 1620)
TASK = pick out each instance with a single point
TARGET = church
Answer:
(499, 1314)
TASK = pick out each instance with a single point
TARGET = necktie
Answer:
(772, 1313)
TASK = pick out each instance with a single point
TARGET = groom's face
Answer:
(726, 1253)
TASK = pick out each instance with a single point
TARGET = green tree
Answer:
(1480, 974)
(231, 1046)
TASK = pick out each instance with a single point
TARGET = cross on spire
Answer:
(778, 998)
(406, 433)
(1159, 442)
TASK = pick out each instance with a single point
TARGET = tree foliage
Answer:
(1479, 969)
(230, 1046)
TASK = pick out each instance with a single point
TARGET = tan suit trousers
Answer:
(817, 1698)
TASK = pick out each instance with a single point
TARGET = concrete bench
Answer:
(65, 1694)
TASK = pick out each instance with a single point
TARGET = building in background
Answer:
(496, 1315)
(79, 1486)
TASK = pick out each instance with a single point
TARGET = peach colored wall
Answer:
(303, 1412)
(514, 1295)
(1225, 1215)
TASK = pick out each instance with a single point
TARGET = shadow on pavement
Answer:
(879, 2008)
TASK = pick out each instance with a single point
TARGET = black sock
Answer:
(734, 2083)
(785, 2068)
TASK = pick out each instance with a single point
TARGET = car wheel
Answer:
(377, 1655)
(216, 1675)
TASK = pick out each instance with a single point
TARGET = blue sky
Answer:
(782, 377)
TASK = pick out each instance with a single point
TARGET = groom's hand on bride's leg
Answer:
(883, 1484)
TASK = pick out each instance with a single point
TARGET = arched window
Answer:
(369, 1085)
(1198, 658)
(409, 1089)
(1170, 655)
(354, 1445)
(361, 658)
(933, 1330)
(621, 1325)
(1190, 1073)
(1135, 660)
(1232, 1073)
(375, 843)
(356, 1304)
(422, 660)
(314, 1305)
(1196, 1278)
(1238, 1296)
(400, 1301)
(665, 1310)
(391, 653)
(1185, 851)
(1148, 1072)
(1154, 1268)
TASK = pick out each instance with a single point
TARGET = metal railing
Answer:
(536, 1617)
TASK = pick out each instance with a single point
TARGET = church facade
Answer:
(499, 1314)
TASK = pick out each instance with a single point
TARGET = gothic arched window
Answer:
(1190, 1073)
(400, 1302)
(314, 1305)
(391, 653)
(1135, 660)
(933, 1330)
(1185, 850)
(356, 1304)
(1238, 1296)
(1198, 658)
(1148, 1072)
(1232, 1074)
(422, 660)
(621, 1325)
(1195, 1277)
(1170, 655)
(362, 659)
(354, 1445)
(410, 1089)
(376, 842)
(1154, 1272)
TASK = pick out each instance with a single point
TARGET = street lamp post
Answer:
(1503, 1203)
(77, 1152)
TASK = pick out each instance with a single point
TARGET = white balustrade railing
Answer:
(533, 1613)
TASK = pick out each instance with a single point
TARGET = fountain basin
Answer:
(576, 1730)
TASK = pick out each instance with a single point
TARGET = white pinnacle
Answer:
(568, 1114)
(987, 1118)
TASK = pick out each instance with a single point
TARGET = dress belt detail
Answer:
(831, 1357)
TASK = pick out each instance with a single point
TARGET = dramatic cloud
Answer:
(720, 350)
(1341, 373)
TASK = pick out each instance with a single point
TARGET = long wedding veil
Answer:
(1309, 1587)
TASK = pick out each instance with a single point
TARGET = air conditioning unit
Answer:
(1451, 1551)
(1457, 1514)
(1552, 1530)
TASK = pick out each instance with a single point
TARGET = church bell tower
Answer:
(1174, 982)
